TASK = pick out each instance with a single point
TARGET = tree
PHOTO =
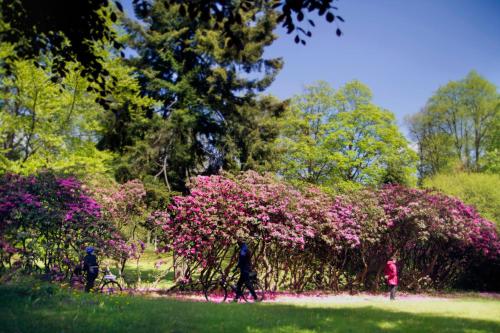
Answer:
(435, 150)
(206, 90)
(49, 125)
(462, 117)
(57, 125)
(255, 134)
(70, 33)
(225, 13)
(342, 139)
(482, 101)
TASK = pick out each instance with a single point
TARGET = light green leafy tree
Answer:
(342, 140)
(45, 123)
(49, 125)
(461, 118)
(435, 148)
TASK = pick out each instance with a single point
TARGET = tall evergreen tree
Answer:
(207, 88)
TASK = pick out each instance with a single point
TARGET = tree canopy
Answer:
(340, 137)
(460, 124)
(70, 32)
(69, 35)
(58, 125)
(208, 114)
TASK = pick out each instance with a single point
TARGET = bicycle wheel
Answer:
(111, 287)
(215, 292)
(259, 291)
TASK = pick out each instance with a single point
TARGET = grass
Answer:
(146, 270)
(28, 310)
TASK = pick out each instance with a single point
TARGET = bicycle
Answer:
(220, 289)
(109, 284)
(106, 285)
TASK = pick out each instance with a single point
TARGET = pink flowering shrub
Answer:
(300, 239)
(124, 203)
(47, 221)
(125, 207)
(436, 236)
(305, 239)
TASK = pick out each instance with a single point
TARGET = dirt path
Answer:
(346, 298)
(342, 298)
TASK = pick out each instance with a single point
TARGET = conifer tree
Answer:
(206, 88)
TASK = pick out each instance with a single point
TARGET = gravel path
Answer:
(343, 298)
(346, 298)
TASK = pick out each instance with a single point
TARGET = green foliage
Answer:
(434, 147)
(477, 189)
(49, 125)
(68, 34)
(208, 116)
(460, 122)
(59, 126)
(341, 139)
(126, 119)
(255, 134)
(492, 161)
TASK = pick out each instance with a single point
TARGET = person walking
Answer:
(391, 276)
(91, 267)
(245, 266)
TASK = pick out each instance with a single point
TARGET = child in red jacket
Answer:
(391, 276)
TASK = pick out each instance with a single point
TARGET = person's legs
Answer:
(90, 281)
(249, 284)
(393, 292)
(239, 285)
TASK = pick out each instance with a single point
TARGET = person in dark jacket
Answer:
(391, 276)
(90, 266)
(245, 267)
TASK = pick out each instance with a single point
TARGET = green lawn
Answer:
(148, 272)
(26, 310)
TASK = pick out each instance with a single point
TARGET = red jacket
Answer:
(391, 273)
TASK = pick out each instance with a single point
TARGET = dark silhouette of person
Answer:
(391, 276)
(245, 266)
(91, 267)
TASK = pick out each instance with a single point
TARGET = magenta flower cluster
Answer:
(49, 220)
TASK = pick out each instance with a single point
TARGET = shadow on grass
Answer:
(97, 313)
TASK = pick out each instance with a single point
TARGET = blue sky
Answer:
(403, 50)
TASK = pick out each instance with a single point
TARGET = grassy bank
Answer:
(46, 309)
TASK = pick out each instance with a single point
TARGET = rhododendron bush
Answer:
(47, 221)
(305, 239)
(124, 204)
(301, 239)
